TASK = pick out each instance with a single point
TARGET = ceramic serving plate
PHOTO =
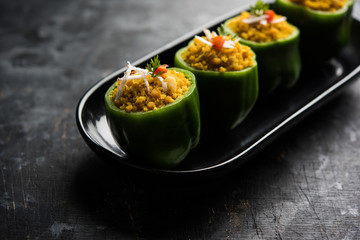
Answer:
(268, 120)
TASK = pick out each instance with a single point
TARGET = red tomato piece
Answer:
(270, 14)
(161, 68)
(218, 42)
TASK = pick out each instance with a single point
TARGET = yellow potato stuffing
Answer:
(135, 97)
(204, 57)
(258, 32)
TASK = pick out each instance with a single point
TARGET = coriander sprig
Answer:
(153, 66)
(259, 8)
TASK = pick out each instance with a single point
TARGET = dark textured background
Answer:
(52, 186)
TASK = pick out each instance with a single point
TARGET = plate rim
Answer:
(92, 143)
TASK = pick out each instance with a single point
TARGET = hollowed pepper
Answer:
(226, 98)
(323, 33)
(162, 137)
(279, 60)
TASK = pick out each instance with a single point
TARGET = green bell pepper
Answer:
(279, 61)
(226, 98)
(161, 137)
(323, 34)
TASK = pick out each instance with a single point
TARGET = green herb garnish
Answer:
(153, 66)
(259, 8)
(221, 30)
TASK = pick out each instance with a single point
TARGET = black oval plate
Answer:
(268, 120)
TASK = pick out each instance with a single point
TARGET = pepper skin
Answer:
(226, 98)
(323, 34)
(279, 61)
(162, 137)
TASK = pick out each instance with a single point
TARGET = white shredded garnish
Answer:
(122, 84)
(262, 19)
(140, 70)
(210, 36)
(253, 19)
(229, 44)
(163, 83)
(204, 41)
(132, 77)
(146, 82)
(263, 22)
(278, 20)
(126, 77)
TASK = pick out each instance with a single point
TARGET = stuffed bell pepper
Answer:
(154, 114)
(275, 43)
(324, 25)
(227, 78)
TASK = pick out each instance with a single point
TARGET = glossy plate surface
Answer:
(268, 120)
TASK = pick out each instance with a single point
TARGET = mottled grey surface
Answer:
(54, 187)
